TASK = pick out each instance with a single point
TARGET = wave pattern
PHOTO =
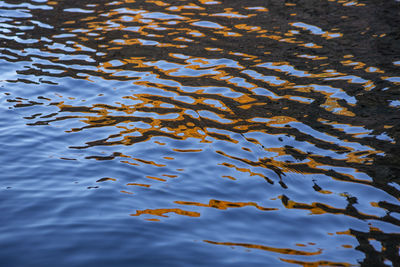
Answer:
(279, 119)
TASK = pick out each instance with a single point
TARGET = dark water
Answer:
(199, 133)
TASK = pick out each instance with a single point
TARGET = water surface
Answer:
(199, 133)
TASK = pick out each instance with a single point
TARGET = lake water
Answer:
(199, 133)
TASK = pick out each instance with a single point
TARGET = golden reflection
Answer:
(162, 212)
(158, 3)
(156, 178)
(317, 208)
(286, 251)
(318, 263)
(223, 205)
(143, 185)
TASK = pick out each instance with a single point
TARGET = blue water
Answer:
(206, 133)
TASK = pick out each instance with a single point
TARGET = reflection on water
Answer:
(223, 132)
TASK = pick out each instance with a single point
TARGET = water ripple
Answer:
(199, 133)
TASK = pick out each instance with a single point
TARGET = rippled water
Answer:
(199, 133)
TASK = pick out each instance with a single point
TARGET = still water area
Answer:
(199, 133)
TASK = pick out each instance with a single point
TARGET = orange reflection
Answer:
(223, 205)
(318, 263)
(161, 212)
(286, 251)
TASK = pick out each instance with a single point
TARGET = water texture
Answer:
(199, 133)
